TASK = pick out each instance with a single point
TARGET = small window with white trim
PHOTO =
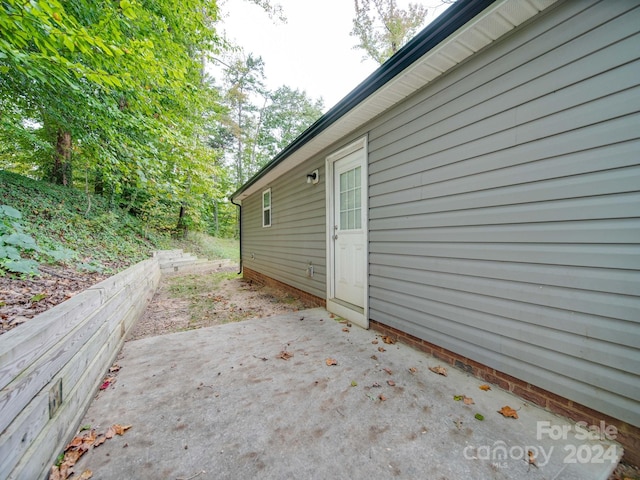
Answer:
(266, 208)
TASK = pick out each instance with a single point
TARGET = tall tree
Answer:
(287, 114)
(244, 88)
(259, 123)
(382, 28)
(118, 85)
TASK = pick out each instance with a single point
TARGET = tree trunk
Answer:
(182, 226)
(98, 184)
(216, 219)
(61, 173)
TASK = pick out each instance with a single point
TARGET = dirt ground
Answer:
(187, 302)
(23, 299)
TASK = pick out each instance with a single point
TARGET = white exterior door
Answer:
(348, 234)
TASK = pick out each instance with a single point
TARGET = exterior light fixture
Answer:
(313, 177)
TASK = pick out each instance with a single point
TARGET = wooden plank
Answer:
(20, 347)
(132, 274)
(15, 396)
(161, 254)
(20, 434)
(42, 452)
(29, 423)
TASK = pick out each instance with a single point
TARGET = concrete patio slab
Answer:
(221, 403)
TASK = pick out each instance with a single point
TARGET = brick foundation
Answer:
(307, 298)
(628, 435)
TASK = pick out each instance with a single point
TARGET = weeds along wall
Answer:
(51, 367)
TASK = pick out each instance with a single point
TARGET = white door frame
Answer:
(358, 316)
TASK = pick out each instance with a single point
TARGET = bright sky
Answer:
(312, 51)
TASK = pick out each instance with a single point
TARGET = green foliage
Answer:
(258, 123)
(286, 115)
(115, 90)
(206, 246)
(14, 243)
(382, 28)
(55, 227)
(113, 98)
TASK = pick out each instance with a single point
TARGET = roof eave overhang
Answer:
(464, 28)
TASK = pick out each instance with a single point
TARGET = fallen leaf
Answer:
(374, 357)
(331, 361)
(387, 339)
(66, 470)
(484, 387)
(54, 473)
(507, 411)
(86, 475)
(105, 385)
(120, 429)
(468, 401)
(479, 416)
(532, 458)
(40, 296)
(99, 441)
(285, 355)
(439, 370)
(381, 349)
(89, 438)
(382, 398)
(354, 383)
(457, 398)
(345, 330)
(71, 457)
(413, 369)
(375, 342)
(76, 442)
(375, 385)
(391, 383)
(388, 371)
(114, 368)
(110, 433)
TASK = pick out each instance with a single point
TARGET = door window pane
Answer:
(350, 200)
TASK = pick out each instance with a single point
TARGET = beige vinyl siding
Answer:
(505, 207)
(296, 236)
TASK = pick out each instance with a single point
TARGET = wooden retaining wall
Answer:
(51, 367)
